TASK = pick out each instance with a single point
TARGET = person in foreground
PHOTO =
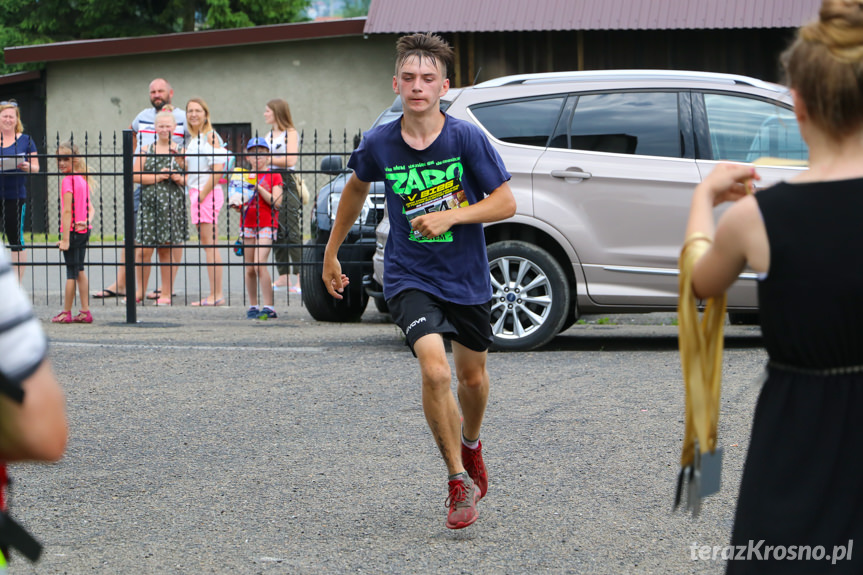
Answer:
(443, 181)
(32, 407)
(803, 478)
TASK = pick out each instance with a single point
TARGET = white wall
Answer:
(332, 85)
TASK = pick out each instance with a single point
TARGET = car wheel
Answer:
(744, 318)
(381, 305)
(320, 304)
(530, 300)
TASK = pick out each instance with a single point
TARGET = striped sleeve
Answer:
(22, 340)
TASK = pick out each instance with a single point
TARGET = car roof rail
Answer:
(587, 75)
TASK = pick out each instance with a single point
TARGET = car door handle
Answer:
(570, 174)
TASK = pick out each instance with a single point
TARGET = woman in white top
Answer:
(284, 140)
(205, 161)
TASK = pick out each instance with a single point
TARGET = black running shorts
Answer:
(419, 313)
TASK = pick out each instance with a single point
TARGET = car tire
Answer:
(524, 320)
(744, 318)
(319, 303)
(381, 305)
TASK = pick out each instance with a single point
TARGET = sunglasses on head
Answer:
(12, 103)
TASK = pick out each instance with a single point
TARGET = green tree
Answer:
(354, 8)
(26, 22)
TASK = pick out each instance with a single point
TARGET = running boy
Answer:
(443, 181)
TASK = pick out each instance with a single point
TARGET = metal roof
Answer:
(400, 16)
(182, 41)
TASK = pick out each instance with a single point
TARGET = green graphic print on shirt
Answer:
(432, 186)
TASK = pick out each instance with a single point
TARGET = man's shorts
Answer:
(208, 211)
(419, 313)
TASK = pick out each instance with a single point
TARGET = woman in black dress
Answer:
(802, 487)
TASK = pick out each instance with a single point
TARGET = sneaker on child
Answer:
(268, 313)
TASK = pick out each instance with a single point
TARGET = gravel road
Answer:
(202, 442)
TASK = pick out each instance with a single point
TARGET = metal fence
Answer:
(110, 161)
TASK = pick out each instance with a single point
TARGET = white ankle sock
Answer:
(469, 444)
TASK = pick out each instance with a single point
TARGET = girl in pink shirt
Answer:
(76, 213)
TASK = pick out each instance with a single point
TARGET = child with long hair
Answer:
(205, 158)
(283, 139)
(76, 213)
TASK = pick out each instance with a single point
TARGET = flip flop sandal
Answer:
(157, 294)
(104, 294)
(205, 303)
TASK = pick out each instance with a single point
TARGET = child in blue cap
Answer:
(259, 226)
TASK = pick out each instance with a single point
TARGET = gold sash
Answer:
(701, 345)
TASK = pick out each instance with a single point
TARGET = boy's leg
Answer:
(473, 387)
(439, 404)
(249, 256)
(265, 246)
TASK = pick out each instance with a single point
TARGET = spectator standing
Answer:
(18, 157)
(802, 478)
(76, 216)
(284, 141)
(161, 219)
(161, 94)
(259, 225)
(205, 162)
(436, 265)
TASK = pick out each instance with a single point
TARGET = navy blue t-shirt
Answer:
(12, 182)
(458, 169)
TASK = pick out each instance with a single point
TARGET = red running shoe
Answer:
(463, 496)
(473, 463)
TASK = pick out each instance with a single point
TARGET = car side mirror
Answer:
(331, 165)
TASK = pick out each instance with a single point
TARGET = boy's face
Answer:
(259, 158)
(420, 83)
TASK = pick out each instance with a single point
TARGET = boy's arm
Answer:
(33, 423)
(350, 205)
(498, 205)
(36, 428)
(272, 196)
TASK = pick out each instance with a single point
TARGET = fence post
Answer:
(129, 225)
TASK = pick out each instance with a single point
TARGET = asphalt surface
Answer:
(202, 442)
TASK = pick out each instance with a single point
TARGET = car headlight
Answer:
(333, 208)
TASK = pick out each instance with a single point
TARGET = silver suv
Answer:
(603, 167)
